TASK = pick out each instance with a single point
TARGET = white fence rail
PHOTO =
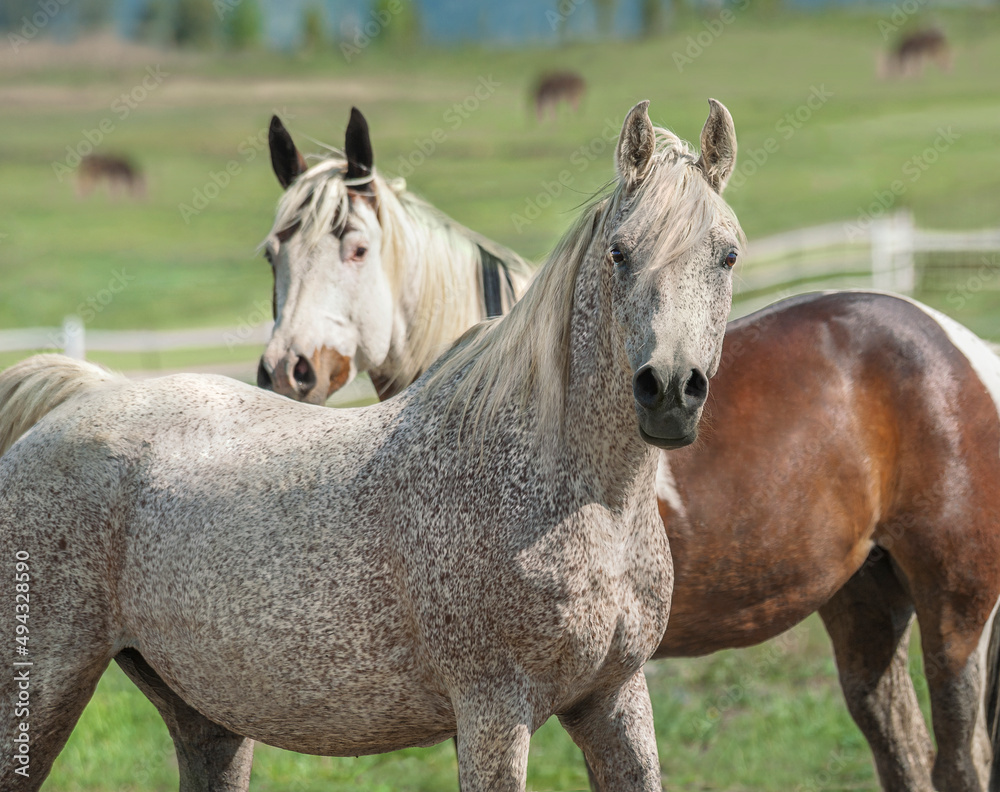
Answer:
(838, 255)
(73, 340)
(841, 255)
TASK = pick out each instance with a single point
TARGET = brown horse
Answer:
(554, 88)
(849, 463)
(912, 53)
(121, 175)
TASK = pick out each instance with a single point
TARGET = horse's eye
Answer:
(730, 260)
(617, 256)
(359, 252)
(269, 256)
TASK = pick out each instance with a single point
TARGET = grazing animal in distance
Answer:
(456, 560)
(120, 174)
(911, 54)
(553, 89)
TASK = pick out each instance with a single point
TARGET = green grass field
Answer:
(494, 165)
(769, 718)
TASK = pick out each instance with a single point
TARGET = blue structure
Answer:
(454, 22)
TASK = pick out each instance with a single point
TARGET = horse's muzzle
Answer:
(308, 379)
(669, 409)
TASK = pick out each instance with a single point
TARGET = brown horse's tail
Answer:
(32, 388)
(991, 700)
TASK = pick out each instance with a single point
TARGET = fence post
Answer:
(74, 335)
(903, 244)
(881, 237)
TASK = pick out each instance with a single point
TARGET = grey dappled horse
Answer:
(470, 558)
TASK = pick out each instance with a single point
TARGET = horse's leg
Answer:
(591, 778)
(954, 586)
(955, 680)
(869, 622)
(493, 733)
(210, 758)
(947, 552)
(956, 693)
(40, 704)
(615, 733)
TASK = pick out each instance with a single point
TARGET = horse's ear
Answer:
(286, 160)
(718, 146)
(635, 146)
(358, 146)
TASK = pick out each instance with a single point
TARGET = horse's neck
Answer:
(600, 418)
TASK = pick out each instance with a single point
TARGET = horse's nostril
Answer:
(696, 388)
(264, 377)
(647, 388)
(305, 376)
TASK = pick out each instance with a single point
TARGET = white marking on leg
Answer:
(982, 748)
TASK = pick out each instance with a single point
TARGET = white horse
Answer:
(368, 277)
(345, 582)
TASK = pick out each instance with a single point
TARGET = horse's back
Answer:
(173, 459)
(187, 468)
